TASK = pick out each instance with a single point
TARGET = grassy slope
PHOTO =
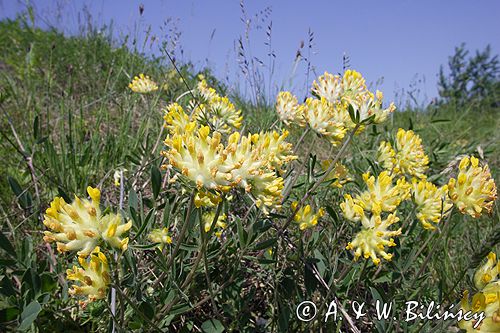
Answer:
(65, 98)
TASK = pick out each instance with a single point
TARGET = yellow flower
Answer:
(206, 92)
(329, 115)
(329, 87)
(339, 174)
(80, 225)
(273, 150)
(199, 157)
(486, 301)
(305, 217)
(205, 198)
(374, 238)
(266, 189)
(208, 219)
(142, 84)
(351, 210)
(289, 110)
(368, 105)
(160, 236)
(353, 84)
(216, 112)
(382, 195)
(326, 119)
(407, 157)
(474, 190)
(432, 202)
(249, 162)
(93, 277)
(488, 272)
(176, 120)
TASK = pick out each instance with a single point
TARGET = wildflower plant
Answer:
(220, 228)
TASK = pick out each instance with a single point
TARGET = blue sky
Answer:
(399, 41)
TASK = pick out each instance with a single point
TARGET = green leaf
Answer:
(265, 244)
(133, 201)
(212, 326)
(8, 314)
(29, 315)
(155, 180)
(242, 235)
(6, 245)
(36, 128)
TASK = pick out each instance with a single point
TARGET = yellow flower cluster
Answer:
(305, 217)
(487, 300)
(339, 175)
(289, 110)
(251, 162)
(381, 196)
(432, 202)
(474, 189)
(407, 157)
(93, 277)
(81, 225)
(328, 114)
(215, 111)
(160, 236)
(142, 84)
(374, 237)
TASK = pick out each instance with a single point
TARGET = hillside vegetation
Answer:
(69, 121)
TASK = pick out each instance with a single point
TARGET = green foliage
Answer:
(470, 79)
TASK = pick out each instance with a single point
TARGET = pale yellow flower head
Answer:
(326, 119)
(432, 202)
(266, 189)
(352, 211)
(216, 112)
(142, 84)
(93, 277)
(80, 225)
(200, 157)
(339, 174)
(249, 162)
(273, 150)
(381, 195)
(329, 87)
(488, 272)
(176, 119)
(374, 238)
(407, 157)
(474, 190)
(289, 110)
(305, 217)
(206, 92)
(369, 105)
(160, 236)
(353, 84)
